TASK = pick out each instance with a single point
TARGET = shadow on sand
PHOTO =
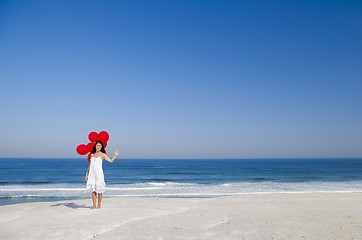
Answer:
(70, 205)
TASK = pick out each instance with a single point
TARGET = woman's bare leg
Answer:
(94, 198)
(99, 200)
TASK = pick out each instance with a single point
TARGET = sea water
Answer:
(53, 179)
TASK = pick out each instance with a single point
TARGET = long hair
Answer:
(94, 147)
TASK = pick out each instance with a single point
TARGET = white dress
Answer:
(96, 181)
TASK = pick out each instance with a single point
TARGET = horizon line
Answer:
(194, 158)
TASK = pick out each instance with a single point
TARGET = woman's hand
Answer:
(116, 153)
(86, 178)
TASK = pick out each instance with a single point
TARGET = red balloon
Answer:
(93, 136)
(90, 146)
(82, 149)
(103, 136)
(89, 157)
(104, 144)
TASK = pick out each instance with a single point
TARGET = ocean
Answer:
(53, 179)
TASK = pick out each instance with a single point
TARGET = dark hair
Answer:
(94, 147)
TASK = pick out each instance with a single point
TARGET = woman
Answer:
(95, 182)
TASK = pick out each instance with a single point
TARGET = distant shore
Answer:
(247, 216)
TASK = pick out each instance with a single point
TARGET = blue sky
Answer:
(182, 79)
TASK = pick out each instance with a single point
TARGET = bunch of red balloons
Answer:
(83, 149)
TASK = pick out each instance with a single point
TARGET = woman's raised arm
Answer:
(111, 160)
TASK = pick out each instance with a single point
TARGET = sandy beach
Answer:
(248, 216)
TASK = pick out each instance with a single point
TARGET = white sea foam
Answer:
(70, 189)
(181, 189)
(168, 184)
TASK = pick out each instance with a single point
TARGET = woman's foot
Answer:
(99, 207)
(93, 207)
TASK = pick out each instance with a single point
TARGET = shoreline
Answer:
(33, 199)
(250, 216)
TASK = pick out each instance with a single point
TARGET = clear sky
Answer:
(182, 79)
